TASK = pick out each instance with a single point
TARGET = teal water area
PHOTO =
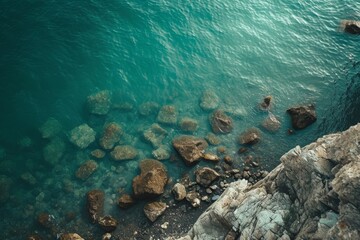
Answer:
(56, 53)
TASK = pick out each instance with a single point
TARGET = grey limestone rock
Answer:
(312, 194)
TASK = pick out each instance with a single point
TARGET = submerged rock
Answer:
(108, 223)
(155, 135)
(265, 105)
(271, 123)
(125, 201)
(54, 150)
(302, 116)
(212, 139)
(95, 203)
(70, 236)
(86, 169)
(161, 153)
(220, 122)
(211, 157)
(205, 176)
(123, 106)
(50, 128)
(99, 103)
(82, 136)
(209, 100)
(154, 210)
(250, 136)
(312, 194)
(152, 179)
(28, 178)
(350, 26)
(125, 152)
(188, 124)
(98, 153)
(179, 191)
(148, 108)
(110, 135)
(167, 115)
(190, 148)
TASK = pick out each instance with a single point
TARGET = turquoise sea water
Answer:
(56, 53)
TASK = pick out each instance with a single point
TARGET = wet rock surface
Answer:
(82, 136)
(205, 176)
(190, 148)
(179, 191)
(110, 136)
(250, 136)
(108, 223)
(125, 201)
(95, 204)
(154, 210)
(152, 179)
(312, 194)
(124, 152)
(167, 115)
(351, 26)
(220, 122)
(99, 103)
(303, 116)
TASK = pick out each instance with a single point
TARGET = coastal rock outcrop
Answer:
(312, 194)
(190, 148)
(350, 26)
(152, 179)
(303, 116)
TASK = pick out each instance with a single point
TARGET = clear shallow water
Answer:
(55, 54)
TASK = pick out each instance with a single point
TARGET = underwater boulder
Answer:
(124, 152)
(209, 100)
(303, 116)
(205, 176)
(95, 203)
(148, 108)
(250, 136)
(155, 135)
(86, 169)
(161, 153)
(82, 136)
(190, 148)
(167, 115)
(50, 128)
(110, 136)
(271, 123)
(188, 124)
(125, 201)
(220, 122)
(99, 103)
(54, 150)
(152, 179)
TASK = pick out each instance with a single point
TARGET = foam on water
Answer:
(55, 54)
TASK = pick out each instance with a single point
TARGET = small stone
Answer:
(97, 153)
(154, 210)
(250, 136)
(246, 168)
(211, 157)
(82, 136)
(50, 128)
(208, 191)
(228, 160)
(108, 223)
(45, 220)
(254, 164)
(303, 116)
(220, 122)
(196, 203)
(266, 103)
(242, 150)
(167, 115)
(164, 225)
(214, 187)
(209, 100)
(215, 197)
(86, 169)
(125, 201)
(205, 198)
(70, 236)
(106, 236)
(205, 176)
(179, 191)
(237, 176)
(110, 136)
(264, 174)
(124, 152)
(148, 108)
(99, 103)
(246, 175)
(221, 149)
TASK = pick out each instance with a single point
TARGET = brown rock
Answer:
(271, 123)
(212, 139)
(86, 169)
(34, 237)
(98, 153)
(152, 179)
(179, 191)
(250, 136)
(125, 152)
(220, 122)
(211, 157)
(110, 136)
(193, 198)
(154, 210)
(125, 201)
(45, 220)
(95, 203)
(266, 102)
(188, 124)
(350, 26)
(108, 223)
(70, 236)
(228, 160)
(242, 150)
(205, 176)
(190, 148)
(302, 116)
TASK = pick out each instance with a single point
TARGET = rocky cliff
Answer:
(313, 194)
